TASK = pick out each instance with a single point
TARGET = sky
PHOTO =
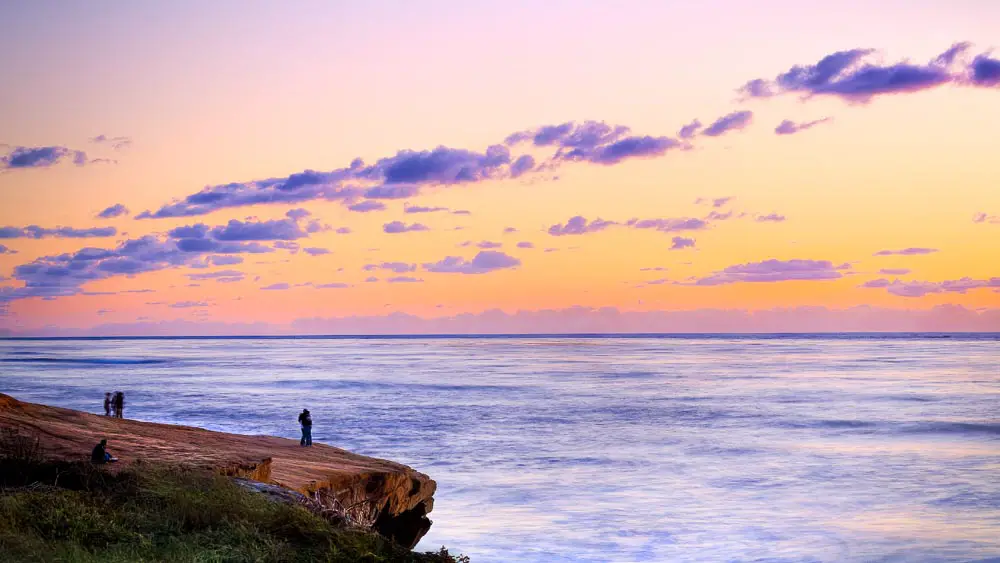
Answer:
(452, 166)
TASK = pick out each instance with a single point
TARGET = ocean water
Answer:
(725, 448)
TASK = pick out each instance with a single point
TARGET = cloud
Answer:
(912, 251)
(922, 288)
(36, 232)
(189, 304)
(117, 143)
(894, 271)
(313, 251)
(7, 250)
(371, 279)
(396, 227)
(223, 260)
(461, 212)
(773, 271)
(484, 262)
(216, 275)
(721, 201)
(334, 285)
(525, 244)
(115, 210)
(508, 230)
(734, 121)
(985, 71)
(690, 130)
(789, 127)
(680, 243)
(984, 218)
(770, 218)
(521, 166)
(395, 267)
(343, 231)
(40, 157)
(276, 287)
(578, 225)
(366, 206)
(404, 279)
(857, 76)
(236, 237)
(488, 244)
(669, 225)
(595, 142)
(654, 269)
(392, 191)
(423, 209)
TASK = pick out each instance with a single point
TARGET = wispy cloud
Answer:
(484, 262)
(396, 227)
(789, 127)
(36, 232)
(774, 271)
(912, 251)
(40, 157)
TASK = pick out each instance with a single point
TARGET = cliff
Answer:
(386, 497)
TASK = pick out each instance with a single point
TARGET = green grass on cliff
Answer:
(76, 513)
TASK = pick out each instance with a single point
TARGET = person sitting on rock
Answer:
(305, 420)
(101, 454)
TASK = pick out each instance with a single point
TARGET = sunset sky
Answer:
(264, 167)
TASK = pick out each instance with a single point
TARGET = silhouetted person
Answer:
(119, 404)
(100, 453)
(107, 404)
(306, 421)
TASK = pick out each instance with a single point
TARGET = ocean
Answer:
(840, 448)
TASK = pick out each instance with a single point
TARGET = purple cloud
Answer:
(116, 210)
(221, 274)
(371, 279)
(276, 287)
(525, 244)
(985, 71)
(680, 243)
(7, 250)
(484, 262)
(773, 271)
(396, 227)
(690, 130)
(36, 232)
(40, 157)
(367, 206)
(313, 251)
(521, 166)
(392, 191)
(117, 143)
(488, 244)
(789, 127)
(734, 121)
(894, 271)
(189, 304)
(578, 225)
(508, 230)
(770, 218)
(654, 269)
(334, 285)
(669, 225)
(223, 260)
(912, 251)
(395, 267)
(595, 142)
(422, 209)
(849, 75)
(404, 279)
(922, 288)
(984, 218)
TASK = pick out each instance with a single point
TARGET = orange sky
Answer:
(237, 93)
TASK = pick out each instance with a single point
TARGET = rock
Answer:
(389, 498)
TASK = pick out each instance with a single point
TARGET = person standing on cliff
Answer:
(119, 402)
(305, 420)
(107, 404)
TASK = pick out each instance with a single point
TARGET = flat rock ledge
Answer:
(382, 496)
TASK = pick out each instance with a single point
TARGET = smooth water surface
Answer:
(740, 448)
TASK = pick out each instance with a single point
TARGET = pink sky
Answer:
(711, 166)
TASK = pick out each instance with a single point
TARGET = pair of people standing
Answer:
(115, 403)
(306, 422)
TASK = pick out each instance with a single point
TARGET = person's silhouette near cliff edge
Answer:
(305, 420)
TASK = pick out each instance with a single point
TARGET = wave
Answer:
(84, 361)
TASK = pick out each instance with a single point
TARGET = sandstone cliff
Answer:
(389, 498)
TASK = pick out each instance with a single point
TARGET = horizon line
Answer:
(585, 335)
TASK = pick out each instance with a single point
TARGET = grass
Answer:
(78, 512)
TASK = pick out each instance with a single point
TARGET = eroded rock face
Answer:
(386, 497)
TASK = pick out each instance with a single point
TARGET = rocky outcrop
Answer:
(389, 498)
